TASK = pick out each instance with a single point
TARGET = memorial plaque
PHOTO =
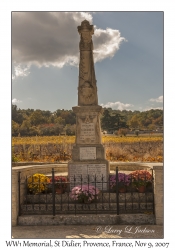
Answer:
(87, 131)
(79, 174)
(75, 173)
(87, 153)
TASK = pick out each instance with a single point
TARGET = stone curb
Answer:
(86, 219)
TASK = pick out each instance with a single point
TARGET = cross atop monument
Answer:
(87, 90)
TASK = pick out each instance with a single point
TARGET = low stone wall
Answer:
(88, 219)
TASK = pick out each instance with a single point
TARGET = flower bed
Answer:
(135, 181)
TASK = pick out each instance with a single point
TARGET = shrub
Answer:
(136, 132)
(14, 158)
(122, 131)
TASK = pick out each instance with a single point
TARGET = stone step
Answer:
(87, 219)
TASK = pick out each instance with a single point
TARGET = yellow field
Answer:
(114, 151)
(42, 140)
(71, 139)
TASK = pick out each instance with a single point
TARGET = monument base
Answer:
(94, 173)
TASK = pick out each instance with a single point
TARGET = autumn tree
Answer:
(37, 118)
(15, 128)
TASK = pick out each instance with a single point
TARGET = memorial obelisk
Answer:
(88, 154)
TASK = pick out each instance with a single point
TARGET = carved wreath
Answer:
(87, 92)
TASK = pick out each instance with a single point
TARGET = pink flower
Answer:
(84, 191)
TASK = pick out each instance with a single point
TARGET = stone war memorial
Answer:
(88, 154)
(88, 190)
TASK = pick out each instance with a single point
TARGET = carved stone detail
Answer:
(87, 93)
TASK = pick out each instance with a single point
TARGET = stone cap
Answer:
(157, 167)
(85, 26)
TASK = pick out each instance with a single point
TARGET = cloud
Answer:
(159, 99)
(51, 38)
(107, 43)
(16, 101)
(20, 70)
(117, 105)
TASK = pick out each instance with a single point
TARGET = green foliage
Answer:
(69, 129)
(37, 118)
(112, 121)
(32, 122)
(17, 115)
(15, 128)
(14, 157)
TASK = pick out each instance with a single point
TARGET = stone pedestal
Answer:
(88, 155)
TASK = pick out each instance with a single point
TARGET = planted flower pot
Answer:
(86, 201)
(124, 181)
(122, 190)
(132, 188)
(141, 189)
(141, 179)
(84, 193)
(59, 190)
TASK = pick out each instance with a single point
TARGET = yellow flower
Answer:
(37, 183)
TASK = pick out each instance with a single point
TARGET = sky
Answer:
(128, 56)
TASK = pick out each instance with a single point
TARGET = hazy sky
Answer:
(128, 54)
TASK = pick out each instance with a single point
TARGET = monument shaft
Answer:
(88, 154)
(87, 90)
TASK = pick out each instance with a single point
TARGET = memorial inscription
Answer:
(78, 174)
(87, 131)
(87, 153)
